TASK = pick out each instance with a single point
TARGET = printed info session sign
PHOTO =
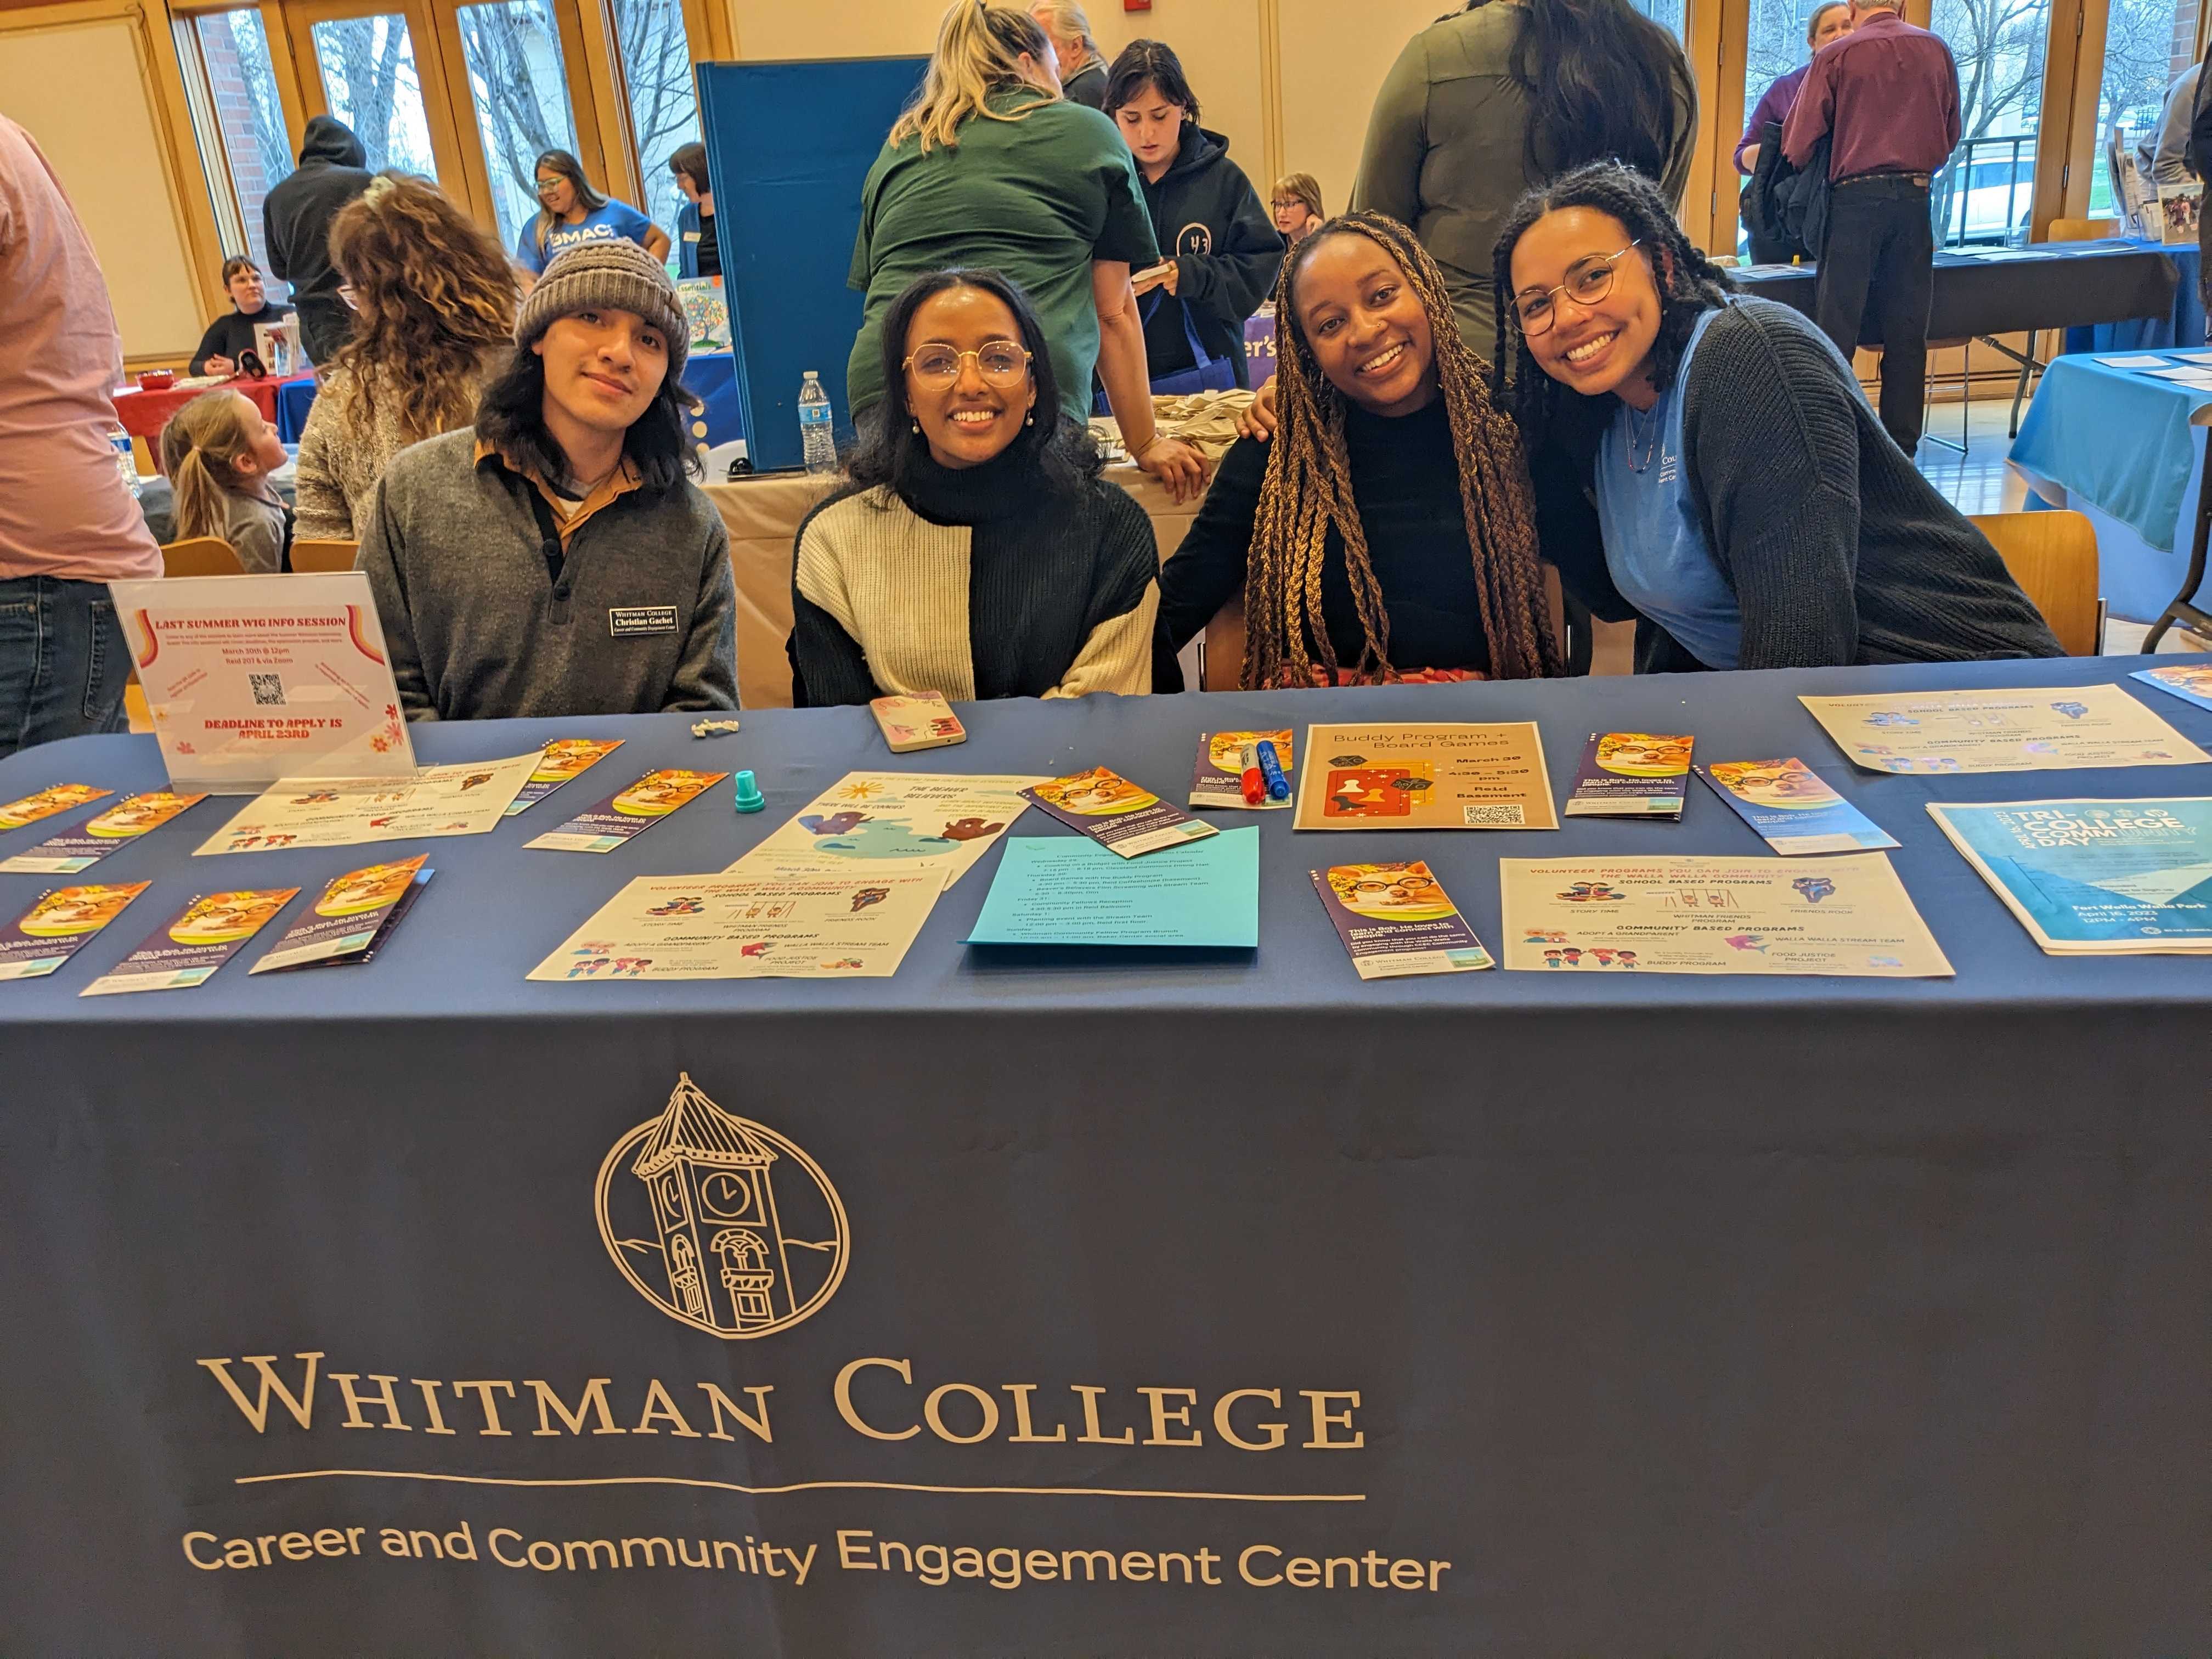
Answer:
(254, 679)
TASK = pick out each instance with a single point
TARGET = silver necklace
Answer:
(1646, 428)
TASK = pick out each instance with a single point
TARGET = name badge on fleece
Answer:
(625, 622)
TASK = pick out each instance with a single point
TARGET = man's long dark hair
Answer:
(1689, 283)
(511, 416)
(887, 444)
(1600, 79)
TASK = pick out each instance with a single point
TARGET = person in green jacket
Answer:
(1501, 97)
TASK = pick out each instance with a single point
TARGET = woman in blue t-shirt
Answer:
(571, 212)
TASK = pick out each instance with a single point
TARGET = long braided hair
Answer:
(1308, 491)
(1689, 284)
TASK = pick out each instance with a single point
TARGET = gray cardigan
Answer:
(1839, 549)
(642, 619)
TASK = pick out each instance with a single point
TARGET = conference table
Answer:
(143, 413)
(1205, 1304)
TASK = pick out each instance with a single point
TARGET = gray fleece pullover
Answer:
(642, 617)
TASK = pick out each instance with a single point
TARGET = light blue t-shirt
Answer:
(1654, 538)
(611, 222)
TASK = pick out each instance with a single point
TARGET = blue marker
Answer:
(1279, 786)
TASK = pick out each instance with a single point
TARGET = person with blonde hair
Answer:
(435, 300)
(1295, 203)
(218, 453)
(990, 168)
(1082, 65)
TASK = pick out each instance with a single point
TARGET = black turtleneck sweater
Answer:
(986, 581)
(1405, 483)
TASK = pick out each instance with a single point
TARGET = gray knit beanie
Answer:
(618, 276)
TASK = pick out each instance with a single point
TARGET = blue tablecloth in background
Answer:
(711, 374)
(2185, 327)
(2121, 444)
(1682, 1314)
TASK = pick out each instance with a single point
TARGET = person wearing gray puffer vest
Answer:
(555, 559)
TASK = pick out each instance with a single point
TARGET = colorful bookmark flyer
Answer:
(564, 758)
(356, 914)
(95, 838)
(1630, 775)
(2193, 684)
(1219, 778)
(1421, 776)
(47, 802)
(187, 950)
(1117, 814)
(1396, 920)
(893, 824)
(2044, 729)
(52, 930)
(1792, 807)
(628, 815)
(2096, 877)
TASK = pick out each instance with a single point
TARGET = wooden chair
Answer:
(311, 557)
(2053, 556)
(200, 555)
(2081, 230)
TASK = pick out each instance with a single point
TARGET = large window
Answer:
(1984, 196)
(1670, 14)
(239, 121)
(2147, 43)
(520, 87)
(373, 85)
(663, 104)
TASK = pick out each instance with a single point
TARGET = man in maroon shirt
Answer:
(1886, 96)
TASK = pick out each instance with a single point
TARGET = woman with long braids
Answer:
(1753, 513)
(1387, 532)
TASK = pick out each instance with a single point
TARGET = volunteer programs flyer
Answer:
(2096, 877)
(189, 949)
(1630, 775)
(1792, 807)
(858, 926)
(1846, 916)
(1218, 780)
(1395, 921)
(2043, 730)
(59, 798)
(1424, 776)
(626, 816)
(63, 920)
(99, 835)
(354, 915)
(467, 799)
(563, 758)
(893, 822)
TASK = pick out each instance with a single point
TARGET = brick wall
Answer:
(233, 112)
(2184, 37)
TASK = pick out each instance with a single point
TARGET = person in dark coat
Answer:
(295, 223)
(1222, 251)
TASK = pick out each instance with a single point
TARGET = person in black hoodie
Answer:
(295, 223)
(1223, 249)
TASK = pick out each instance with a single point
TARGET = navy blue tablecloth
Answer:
(1682, 1314)
(2184, 327)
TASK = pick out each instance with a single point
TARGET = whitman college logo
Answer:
(721, 1221)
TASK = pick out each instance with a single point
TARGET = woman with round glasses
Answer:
(571, 212)
(1751, 511)
(975, 550)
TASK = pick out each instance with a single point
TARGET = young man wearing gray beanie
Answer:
(557, 559)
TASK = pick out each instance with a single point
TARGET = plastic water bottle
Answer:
(126, 463)
(818, 444)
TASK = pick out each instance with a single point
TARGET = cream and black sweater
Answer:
(981, 583)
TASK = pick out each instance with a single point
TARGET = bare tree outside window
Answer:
(374, 88)
(2147, 43)
(1986, 193)
(664, 101)
(518, 83)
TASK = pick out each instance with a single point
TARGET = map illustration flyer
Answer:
(2095, 877)
(60, 797)
(1396, 920)
(891, 823)
(102, 833)
(1424, 776)
(1061, 890)
(1845, 916)
(353, 917)
(628, 814)
(63, 920)
(1124, 817)
(562, 759)
(188, 949)
(467, 798)
(1217, 779)
(2193, 684)
(1630, 775)
(2045, 729)
(1793, 808)
(856, 924)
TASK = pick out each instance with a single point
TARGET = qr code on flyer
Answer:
(268, 691)
(1494, 817)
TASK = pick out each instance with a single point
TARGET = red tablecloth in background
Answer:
(143, 413)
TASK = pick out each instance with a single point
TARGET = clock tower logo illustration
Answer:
(721, 1221)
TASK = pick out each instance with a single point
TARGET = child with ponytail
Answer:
(219, 453)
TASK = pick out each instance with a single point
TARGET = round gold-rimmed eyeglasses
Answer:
(1000, 362)
(1589, 281)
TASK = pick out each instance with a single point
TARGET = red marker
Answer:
(1255, 784)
